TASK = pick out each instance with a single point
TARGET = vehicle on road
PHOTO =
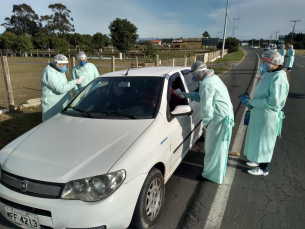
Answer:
(266, 48)
(104, 160)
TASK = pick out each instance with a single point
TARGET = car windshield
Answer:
(118, 97)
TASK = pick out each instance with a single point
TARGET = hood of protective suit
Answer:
(66, 148)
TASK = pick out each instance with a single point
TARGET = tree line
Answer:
(25, 31)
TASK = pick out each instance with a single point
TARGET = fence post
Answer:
(157, 60)
(173, 61)
(185, 61)
(73, 61)
(195, 58)
(137, 62)
(112, 64)
(8, 85)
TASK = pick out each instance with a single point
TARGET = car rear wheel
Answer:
(150, 202)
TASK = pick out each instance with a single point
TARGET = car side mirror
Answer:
(182, 110)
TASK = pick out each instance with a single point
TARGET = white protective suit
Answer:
(55, 92)
(217, 114)
(266, 116)
(89, 71)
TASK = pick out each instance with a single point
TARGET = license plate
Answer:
(22, 217)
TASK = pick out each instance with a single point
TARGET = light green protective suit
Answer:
(217, 114)
(55, 92)
(282, 52)
(89, 71)
(266, 116)
(290, 58)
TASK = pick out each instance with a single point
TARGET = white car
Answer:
(102, 163)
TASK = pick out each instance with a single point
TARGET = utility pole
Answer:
(224, 31)
(276, 32)
(234, 28)
(293, 29)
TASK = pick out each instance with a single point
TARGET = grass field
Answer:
(300, 52)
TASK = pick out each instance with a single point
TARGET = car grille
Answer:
(34, 188)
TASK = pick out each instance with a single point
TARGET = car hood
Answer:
(67, 148)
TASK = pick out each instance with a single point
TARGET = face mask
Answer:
(63, 69)
(264, 68)
(82, 63)
(194, 78)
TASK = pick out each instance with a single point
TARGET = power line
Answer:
(294, 21)
(276, 32)
(213, 3)
(234, 28)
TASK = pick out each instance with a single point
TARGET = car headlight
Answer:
(93, 188)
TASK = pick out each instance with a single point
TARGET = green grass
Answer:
(14, 124)
(220, 69)
(300, 52)
(231, 57)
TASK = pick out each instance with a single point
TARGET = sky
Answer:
(178, 18)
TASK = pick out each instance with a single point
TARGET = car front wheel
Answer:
(150, 202)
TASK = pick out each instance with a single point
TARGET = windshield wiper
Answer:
(83, 111)
(119, 113)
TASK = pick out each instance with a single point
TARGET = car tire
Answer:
(150, 201)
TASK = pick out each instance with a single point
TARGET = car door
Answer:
(180, 128)
(196, 116)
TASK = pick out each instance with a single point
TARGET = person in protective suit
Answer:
(55, 88)
(266, 116)
(83, 69)
(218, 119)
(290, 58)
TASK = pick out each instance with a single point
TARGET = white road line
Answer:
(190, 163)
(300, 65)
(220, 202)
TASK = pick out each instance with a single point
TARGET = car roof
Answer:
(148, 71)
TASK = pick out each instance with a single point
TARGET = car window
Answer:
(118, 97)
(173, 99)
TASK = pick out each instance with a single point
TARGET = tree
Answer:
(45, 25)
(206, 34)
(123, 34)
(232, 44)
(100, 40)
(7, 41)
(61, 20)
(150, 50)
(43, 41)
(61, 45)
(23, 21)
(23, 43)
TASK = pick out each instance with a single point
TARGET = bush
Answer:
(232, 44)
(299, 45)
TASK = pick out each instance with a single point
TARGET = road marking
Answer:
(190, 163)
(220, 202)
(300, 65)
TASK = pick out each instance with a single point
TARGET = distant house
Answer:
(188, 43)
(156, 42)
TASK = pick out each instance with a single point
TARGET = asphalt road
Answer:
(274, 201)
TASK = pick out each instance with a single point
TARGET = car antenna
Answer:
(127, 72)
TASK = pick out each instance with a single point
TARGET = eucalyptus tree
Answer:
(23, 21)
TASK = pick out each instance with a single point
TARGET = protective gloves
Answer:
(181, 94)
(79, 80)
